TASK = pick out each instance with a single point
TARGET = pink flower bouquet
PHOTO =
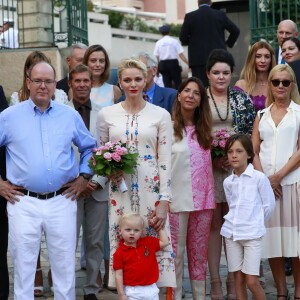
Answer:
(112, 157)
(220, 138)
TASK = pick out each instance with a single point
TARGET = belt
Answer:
(41, 195)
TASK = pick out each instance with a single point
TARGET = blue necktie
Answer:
(282, 61)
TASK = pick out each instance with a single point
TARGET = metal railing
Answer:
(265, 16)
(9, 36)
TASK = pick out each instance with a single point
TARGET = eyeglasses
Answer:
(39, 82)
(285, 83)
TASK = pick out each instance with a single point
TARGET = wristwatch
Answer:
(86, 176)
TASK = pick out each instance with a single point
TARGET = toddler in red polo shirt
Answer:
(135, 261)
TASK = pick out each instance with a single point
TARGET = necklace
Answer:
(215, 104)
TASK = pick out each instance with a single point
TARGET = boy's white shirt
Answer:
(251, 202)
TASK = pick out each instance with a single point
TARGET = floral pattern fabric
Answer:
(148, 133)
(243, 111)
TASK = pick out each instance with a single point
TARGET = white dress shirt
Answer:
(167, 48)
(9, 38)
(251, 201)
(279, 143)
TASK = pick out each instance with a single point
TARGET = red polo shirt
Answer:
(138, 263)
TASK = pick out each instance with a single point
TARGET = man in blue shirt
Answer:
(4, 279)
(42, 181)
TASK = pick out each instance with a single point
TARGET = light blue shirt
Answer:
(39, 154)
(150, 93)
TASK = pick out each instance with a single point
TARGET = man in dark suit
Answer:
(202, 31)
(285, 29)
(4, 281)
(163, 97)
(74, 58)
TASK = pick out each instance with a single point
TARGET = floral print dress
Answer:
(149, 133)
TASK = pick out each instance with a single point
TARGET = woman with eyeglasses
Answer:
(276, 141)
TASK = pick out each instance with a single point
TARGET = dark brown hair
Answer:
(246, 142)
(202, 116)
(80, 69)
(95, 48)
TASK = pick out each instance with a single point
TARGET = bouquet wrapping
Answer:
(111, 158)
(220, 138)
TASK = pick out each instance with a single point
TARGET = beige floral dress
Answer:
(149, 133)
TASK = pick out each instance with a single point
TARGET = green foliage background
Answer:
(121, 20)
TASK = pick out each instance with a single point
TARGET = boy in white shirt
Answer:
(251, 201)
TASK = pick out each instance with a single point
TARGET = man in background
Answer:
(286, 29)
(204, 30)
(74, 58)
(93, 205)
(9, 37)
(167, 50)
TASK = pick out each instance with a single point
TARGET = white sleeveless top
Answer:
(279, 143)
(103, 95)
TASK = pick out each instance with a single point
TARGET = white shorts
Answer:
(243, 255)
(142, 292)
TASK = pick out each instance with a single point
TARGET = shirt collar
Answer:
(87, 104)
(35, 108)
(151, 90)
(248, 172)
(125, 247)
(204, 5)
(292, 106)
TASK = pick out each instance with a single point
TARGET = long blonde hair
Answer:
(294, 93)
(248, 72)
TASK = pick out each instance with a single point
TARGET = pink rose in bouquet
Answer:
(111, 158)
(220, 138)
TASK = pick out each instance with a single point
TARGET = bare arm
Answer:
(183, 58)
(120, 285)
(163, 239)
(256, 145)
(241, 84)
(292, 164)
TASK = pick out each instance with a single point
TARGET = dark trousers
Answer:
(200, 72)
(171, 72)
(4, 281)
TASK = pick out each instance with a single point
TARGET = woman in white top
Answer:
(276, 141)
(102, 93)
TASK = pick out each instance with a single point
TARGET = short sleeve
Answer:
(117, 260)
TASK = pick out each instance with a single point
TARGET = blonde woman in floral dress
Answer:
(146, 129)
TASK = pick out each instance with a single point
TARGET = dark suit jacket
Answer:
(3, 105)
(63, 85)
(203, 30)
(163, 97)
(295, 65)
